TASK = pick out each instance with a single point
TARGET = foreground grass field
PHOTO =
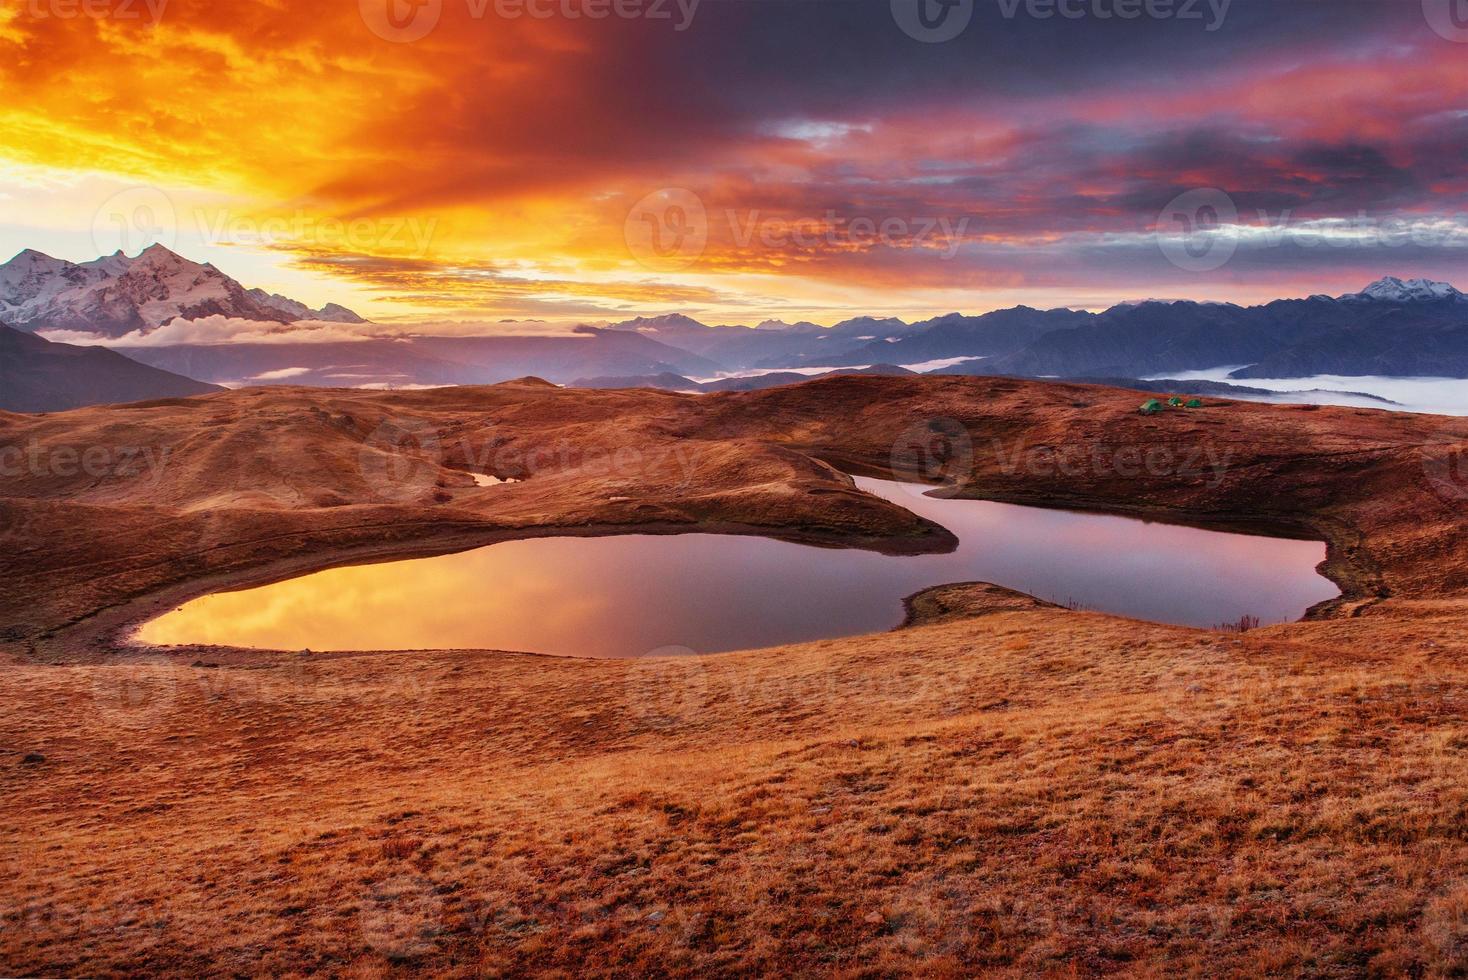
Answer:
(1002, 786)
(1022, 791)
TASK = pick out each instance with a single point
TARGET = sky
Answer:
(500, 161)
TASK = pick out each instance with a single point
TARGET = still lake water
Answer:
(632, 595)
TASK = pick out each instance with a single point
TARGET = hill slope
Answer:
(39, 376)
(1003, 787)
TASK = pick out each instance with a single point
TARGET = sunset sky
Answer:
(512, 167)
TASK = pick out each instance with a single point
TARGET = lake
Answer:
(636, 594)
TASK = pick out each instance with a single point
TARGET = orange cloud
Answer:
(525, 143)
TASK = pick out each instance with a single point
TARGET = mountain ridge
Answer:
(115, 295)
(37, 375)
(1394, 326)
(1399, 327)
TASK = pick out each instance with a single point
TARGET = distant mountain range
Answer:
(125, 300)
(426, 360)
(668, 381)
(1411, 328)
(771, 344)
(39, 376)
(1391, 328)
(114, 296)
(1167, 386)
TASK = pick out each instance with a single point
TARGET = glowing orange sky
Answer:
(488, 170)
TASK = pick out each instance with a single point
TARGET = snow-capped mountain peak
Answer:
(112, 265)
(162, 256)
(297, 310)
(1393, 290)
(31, 257)
(33, 276)
(116, 295)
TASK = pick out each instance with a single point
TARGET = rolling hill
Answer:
(39, 376)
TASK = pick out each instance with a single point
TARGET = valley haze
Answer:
(188, 319)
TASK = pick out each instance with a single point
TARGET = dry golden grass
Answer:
(1020, 792)
(1002, 787)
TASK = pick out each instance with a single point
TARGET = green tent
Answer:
(1195, 403)
(1175, 402)
(1151, 406)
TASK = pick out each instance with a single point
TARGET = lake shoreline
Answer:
(829, 511)
(628, 594)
